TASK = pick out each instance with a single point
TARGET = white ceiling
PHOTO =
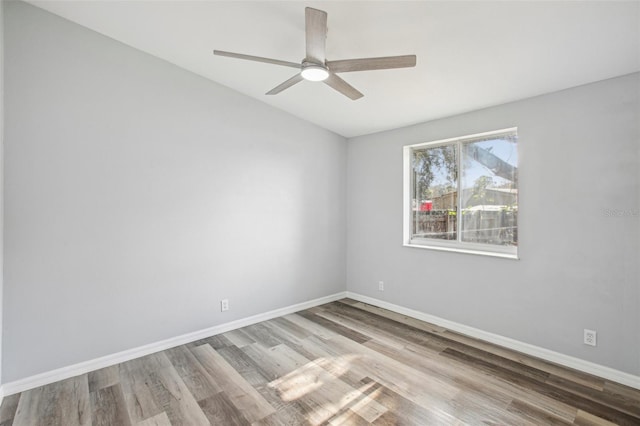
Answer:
(470, 54)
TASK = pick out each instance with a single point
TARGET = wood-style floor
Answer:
(344, 363)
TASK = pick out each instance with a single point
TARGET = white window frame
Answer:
(509, 252)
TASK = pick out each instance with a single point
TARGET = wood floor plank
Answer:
(108, 407)
(173, 395)
(392, 332)
(426, 390)
(335, 361)
(195, 377)
(158, 420)
(578, 401)
(252, 372)
(346, 300)
(273, 369)
(403, 379)
(277, 366)
(468, 376)
(292, 412)
(551, 368)
(507, 364)
(216, 342)
(261, 333)
(103, 378)
(341, 363)
(366, 405)
(573, 375)
(241, 394)
(256, 375)
(238, 338)
(287, 416)
(152, 385)
(404, 319)
(292, 341)
(534, 414)
(291, 328)
(288, 412)
(304, 380)
(334, 326)
(8, 408)
(463, 379)
(626, 394)
(297, 345)
(136, 386)
(611, 400)
(347, 417)
(473, 347)
(310, 326)
(27, 411)
(405, 412)
(368, 329)
(62, 403)
(220, 411)
(586, 419)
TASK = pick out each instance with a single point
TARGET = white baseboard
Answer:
(526, 348)
(42, 379)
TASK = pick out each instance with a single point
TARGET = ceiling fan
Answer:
(315, 67)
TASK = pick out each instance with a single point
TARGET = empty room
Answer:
(319, 213)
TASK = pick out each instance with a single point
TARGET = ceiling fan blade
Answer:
(256, 58)
(316, 34)
(366, 64)
(343, 87)
(293, 80)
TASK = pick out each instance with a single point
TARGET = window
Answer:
(462, 194)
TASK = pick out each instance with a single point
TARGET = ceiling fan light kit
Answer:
(313, 72)
(315, 67)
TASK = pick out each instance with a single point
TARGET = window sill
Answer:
(513, 256)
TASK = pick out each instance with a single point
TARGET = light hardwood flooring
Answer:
(343, 363)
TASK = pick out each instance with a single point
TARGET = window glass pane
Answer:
(489, 202)
(434, 192)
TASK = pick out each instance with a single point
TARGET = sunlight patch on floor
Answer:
(318, 382)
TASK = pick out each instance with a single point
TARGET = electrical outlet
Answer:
(589, 337)
(224, 305)
(381, 285)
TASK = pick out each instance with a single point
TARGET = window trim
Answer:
(507, 252)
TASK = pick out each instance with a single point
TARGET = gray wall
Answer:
(579, 155)
(138, 195)
(1, 169)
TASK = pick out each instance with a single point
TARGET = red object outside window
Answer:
(426, 206)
